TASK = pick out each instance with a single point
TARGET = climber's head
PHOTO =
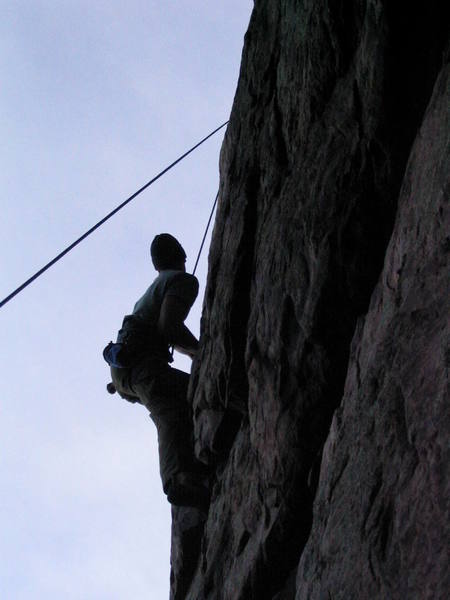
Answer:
(167, 253)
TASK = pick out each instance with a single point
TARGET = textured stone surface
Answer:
(329, 101)
(380, 527)
(187, 531)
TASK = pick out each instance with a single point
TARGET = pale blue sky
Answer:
(96, 98)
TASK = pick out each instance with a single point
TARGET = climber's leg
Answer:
(181, 474)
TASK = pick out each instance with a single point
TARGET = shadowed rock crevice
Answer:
(323, 264)
(237, 381)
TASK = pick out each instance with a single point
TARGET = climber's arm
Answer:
(174, 311)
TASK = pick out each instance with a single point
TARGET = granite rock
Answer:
(314, 357)
(380, 526)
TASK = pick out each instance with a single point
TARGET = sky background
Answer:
(96, 97)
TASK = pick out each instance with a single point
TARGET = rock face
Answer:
(319, 390)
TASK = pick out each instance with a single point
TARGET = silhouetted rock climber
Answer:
(141, 373)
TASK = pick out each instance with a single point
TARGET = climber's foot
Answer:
(188, 489)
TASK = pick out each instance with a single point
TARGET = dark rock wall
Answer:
(380, 527)
(330, 99)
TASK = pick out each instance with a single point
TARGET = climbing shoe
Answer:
(188, 489)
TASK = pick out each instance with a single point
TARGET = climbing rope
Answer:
(205, 234)
(108, 216)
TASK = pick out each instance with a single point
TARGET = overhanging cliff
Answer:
(319, 388)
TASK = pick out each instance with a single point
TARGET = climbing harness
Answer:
(112, 213)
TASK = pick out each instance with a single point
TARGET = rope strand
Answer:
(108, 216)
(205, 234)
